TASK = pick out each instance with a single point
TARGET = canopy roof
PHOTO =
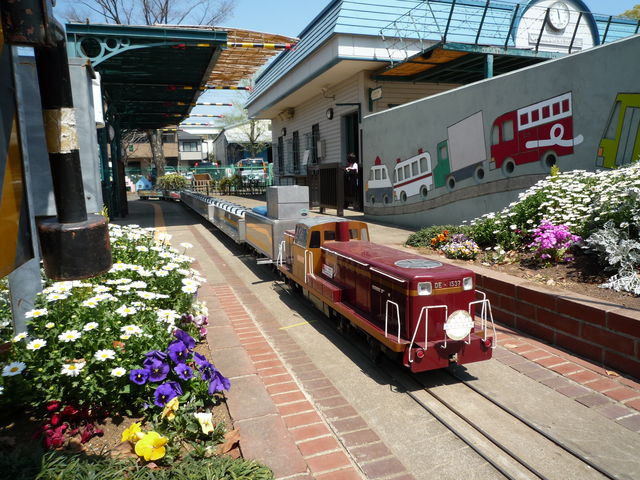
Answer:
(152, 75)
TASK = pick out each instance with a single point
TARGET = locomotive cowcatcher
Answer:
(427, 312)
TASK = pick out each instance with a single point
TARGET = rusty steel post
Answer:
(74, 244)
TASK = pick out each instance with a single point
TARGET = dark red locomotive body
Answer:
(423, 309)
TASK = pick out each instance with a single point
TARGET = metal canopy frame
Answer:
(460, 63)
(142, 63)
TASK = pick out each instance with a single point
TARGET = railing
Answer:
(486, 22)
(425, 312)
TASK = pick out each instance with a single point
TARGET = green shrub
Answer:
(172, 181)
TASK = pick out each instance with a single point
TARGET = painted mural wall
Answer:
(469, 151)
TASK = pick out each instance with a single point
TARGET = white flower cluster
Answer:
(578, 198)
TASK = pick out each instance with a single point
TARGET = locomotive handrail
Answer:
(308, 264)
(281, 250)
(426, 326)
(401, 280)
(344, 256)
(386, 317)
(486, 307)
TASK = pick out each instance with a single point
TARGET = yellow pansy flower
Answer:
(151, 446)
(133, 433)
(170, 409)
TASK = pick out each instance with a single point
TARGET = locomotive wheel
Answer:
(344, 326)
(375, 351)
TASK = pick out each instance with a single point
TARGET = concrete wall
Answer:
(566, 105)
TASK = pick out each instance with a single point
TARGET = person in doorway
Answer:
(352, 163)
(352, 180)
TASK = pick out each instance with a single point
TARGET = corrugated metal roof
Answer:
(422, 20)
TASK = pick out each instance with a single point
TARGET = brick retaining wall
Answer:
(592, 328)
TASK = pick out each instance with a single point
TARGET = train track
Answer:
(499, 455)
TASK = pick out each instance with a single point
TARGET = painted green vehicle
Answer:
(620, 144)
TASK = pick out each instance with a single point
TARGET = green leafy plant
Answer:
(172, 181)
(27, 464)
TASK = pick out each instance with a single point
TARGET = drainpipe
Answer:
(74, 244)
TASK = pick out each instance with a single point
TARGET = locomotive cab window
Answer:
(314, 242)
(329, 235)
(301, 235)
(495, 135)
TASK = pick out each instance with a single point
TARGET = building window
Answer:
(296, 152)
(189, 146)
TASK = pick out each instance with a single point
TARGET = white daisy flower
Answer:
(35, 313)
(72, 369)
(146, 295)
(20, 336)
(49, 325)
(125, 311)
(131, 330)
(90, 303)
(161, 273)
(124, 288)
(14, 368)
(141, 248)
(125, 337)
(90, 326)
(69, 336)
(106, 354)
(101, 289)
(1, 389)
(186, 245)
(189, 289)
(118, 372)
(55, 296)
(36, 344)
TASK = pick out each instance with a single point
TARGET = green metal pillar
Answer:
(488, 66)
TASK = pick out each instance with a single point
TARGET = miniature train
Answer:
(426, 313)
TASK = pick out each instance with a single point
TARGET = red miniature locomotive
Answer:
(420, 309)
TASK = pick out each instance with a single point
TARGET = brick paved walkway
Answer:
(612, 395)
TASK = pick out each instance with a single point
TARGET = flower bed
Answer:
(123, 343)
(599, 211)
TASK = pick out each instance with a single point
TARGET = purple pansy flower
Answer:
(158, 370)
(185, 338)
(200, 359)
(183, 371)
(156, 355)
(207, 371)
(218, 383)
(139, 376)
(178, 351)
(166, 392)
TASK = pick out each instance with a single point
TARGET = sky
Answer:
(290, 17)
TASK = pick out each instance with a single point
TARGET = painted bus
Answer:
(620, 144)
(540, 132)
(413, 176)
(378, 189)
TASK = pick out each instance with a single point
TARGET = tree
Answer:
(152, 12)
(632, 12)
